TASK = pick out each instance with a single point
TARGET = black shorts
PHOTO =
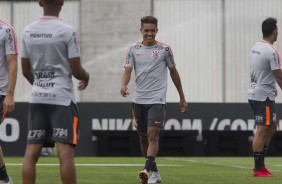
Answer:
(264, 112)
(148, 115)
(52, 123)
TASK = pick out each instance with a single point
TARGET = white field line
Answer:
(219, 164)
(104, 165)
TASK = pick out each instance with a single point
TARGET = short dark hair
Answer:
(150, 20)
(268, 26)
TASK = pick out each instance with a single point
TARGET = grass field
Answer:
(174, 170)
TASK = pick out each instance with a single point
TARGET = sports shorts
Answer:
(148, 115)
(264, 112)
(52, 123)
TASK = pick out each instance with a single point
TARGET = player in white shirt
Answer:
(8, 78)
(265, 71)
(50, 57)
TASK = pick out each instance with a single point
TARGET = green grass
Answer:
(183, 170)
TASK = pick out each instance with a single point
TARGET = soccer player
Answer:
(150, 60)
(50, 57)
(265, 70)
(8, 78)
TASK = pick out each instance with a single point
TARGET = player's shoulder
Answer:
(163, 46)
(67, 26)
(5, 27)
(266, 46)
(30, 25)
(136, 45)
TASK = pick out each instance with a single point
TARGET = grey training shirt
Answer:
(48, 44)
(8, 46)
(150, 66)
(264, 58)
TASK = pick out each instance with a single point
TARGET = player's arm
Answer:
(26, 70)
(177, 82)
(79, 72)
(125, 80)
(9, 103)
(278, 77)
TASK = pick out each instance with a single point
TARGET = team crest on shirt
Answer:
(156, 55)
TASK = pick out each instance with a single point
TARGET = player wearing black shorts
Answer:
(150, 60)
(50, 57)
(265, 72)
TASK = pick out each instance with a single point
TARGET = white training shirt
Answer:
(150, 65)
(8, 46)
(264, 58)
(48, 43)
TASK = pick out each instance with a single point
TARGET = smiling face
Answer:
(149, 31)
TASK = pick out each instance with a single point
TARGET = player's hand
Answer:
(124, 91)
(9, 104)
(82, 85)
(183, 105)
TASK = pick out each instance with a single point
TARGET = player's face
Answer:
(149, 32)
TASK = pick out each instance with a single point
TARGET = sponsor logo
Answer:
(45, 96)
(75, 40)
(258, 119)
(43, 77)
(44, 84)
(169, 52)
(36, 134)
(40, 35)
(60, 133)
(10, 40)
(256, 52)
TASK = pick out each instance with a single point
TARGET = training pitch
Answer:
(174, 170)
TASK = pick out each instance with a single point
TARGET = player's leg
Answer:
(38, 118)
(65, 126)
(144, 144)
(258, 144)
(271, 128)
(67, 166)
(139, 116)
(264, 113)
(153, 139)
(31, 156)
(156, 115)
(3, 172)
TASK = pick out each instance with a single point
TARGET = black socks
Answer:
(149, 163)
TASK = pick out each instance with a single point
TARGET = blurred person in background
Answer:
(150, 60)
(50, 57)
